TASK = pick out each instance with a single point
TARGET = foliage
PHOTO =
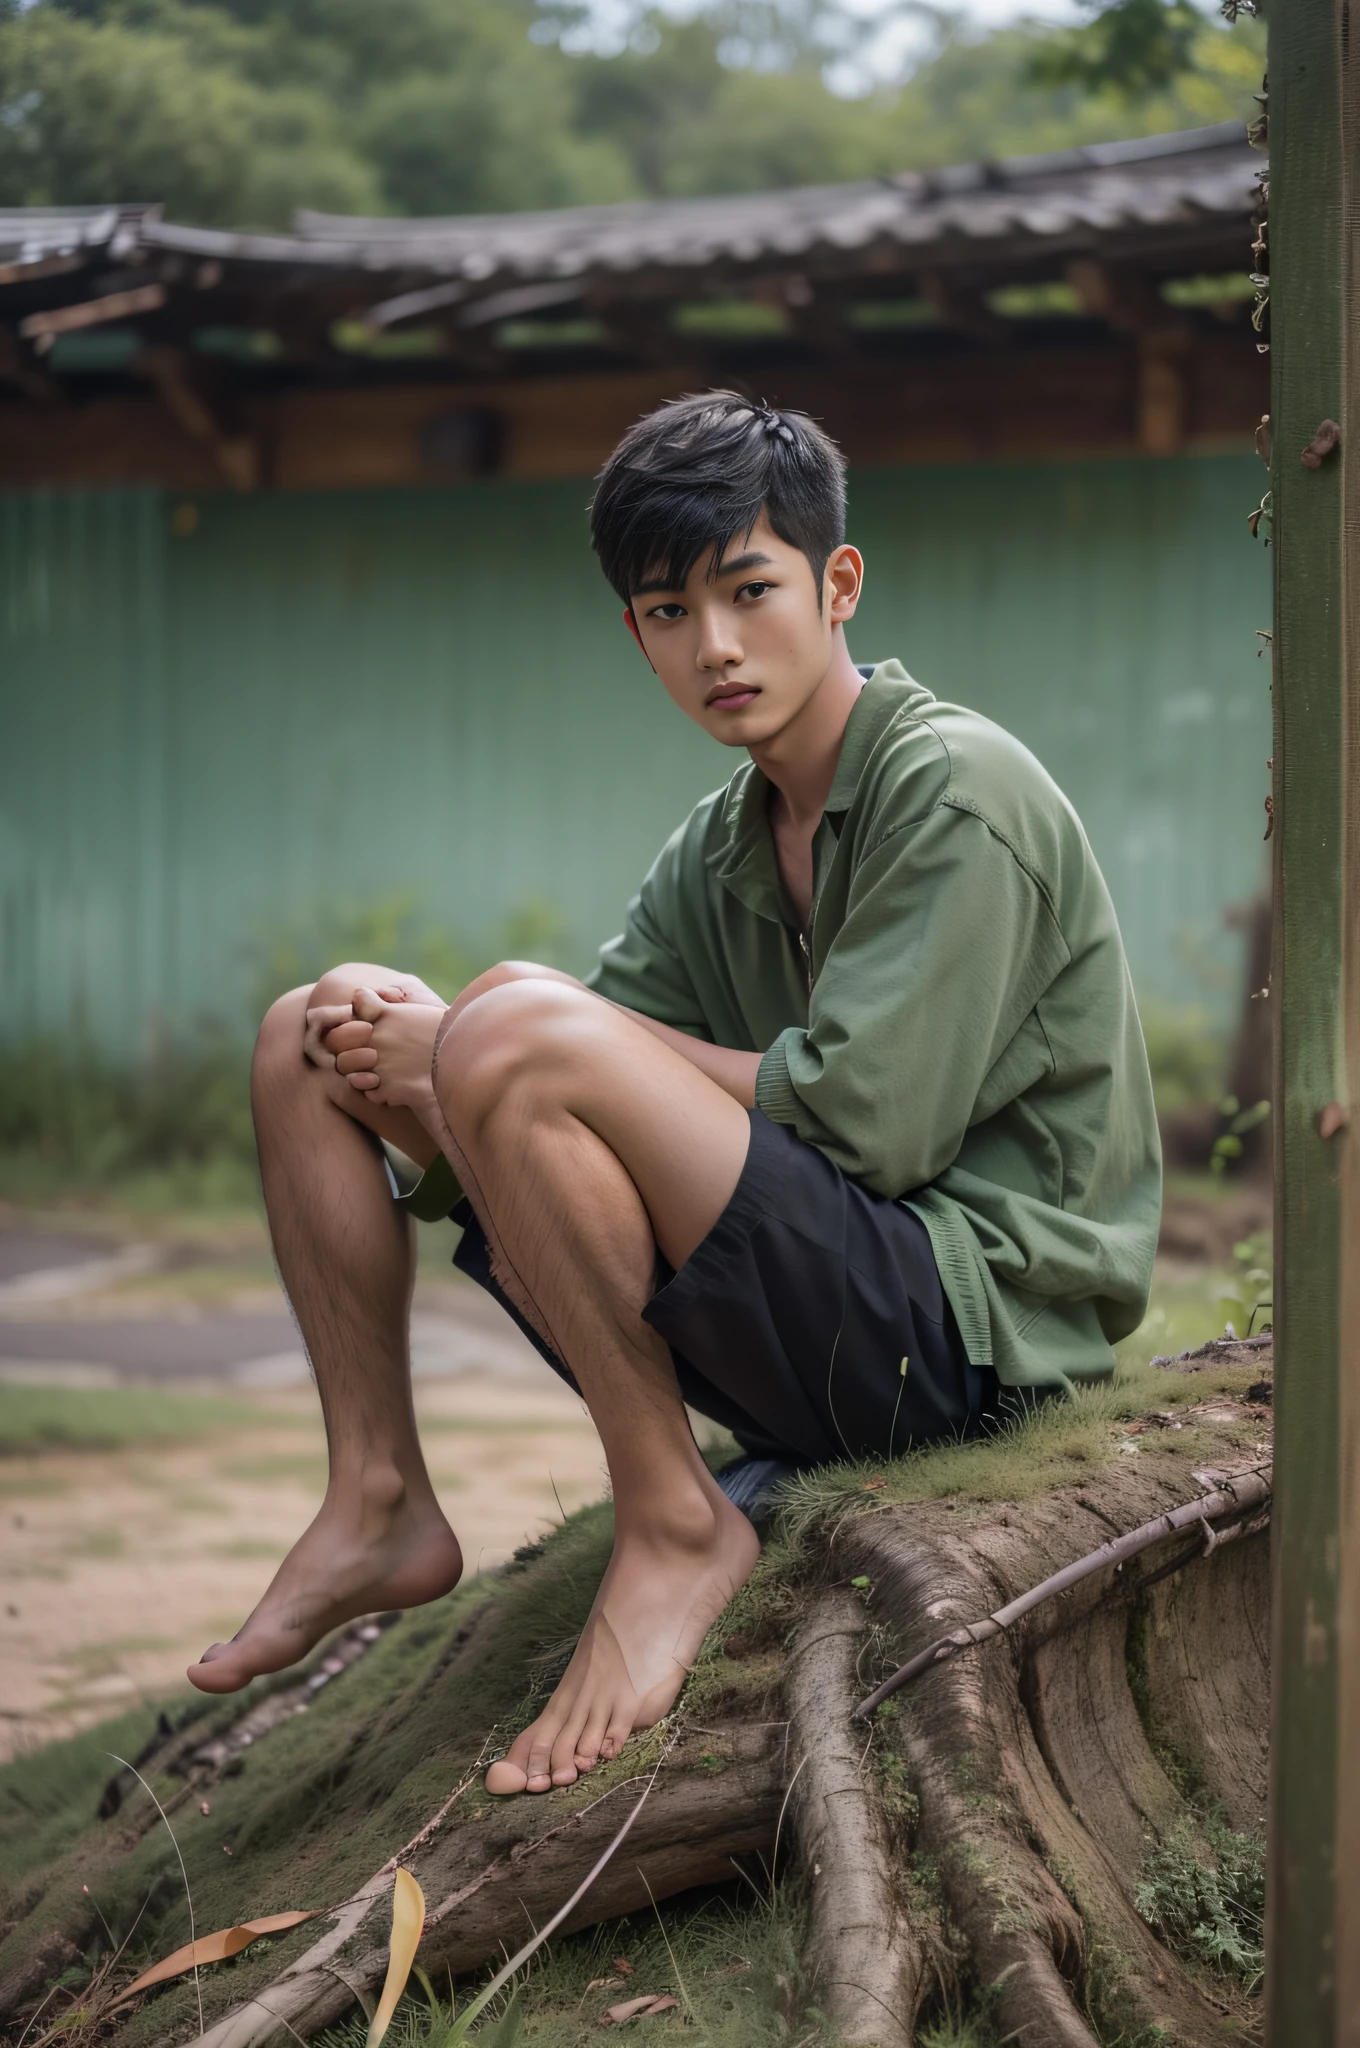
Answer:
(176, 1129)
(1252, 1279)
(1136, 46)
(1186, 1054)
(1203, 1891)
(1238, 1122)
(234, 112)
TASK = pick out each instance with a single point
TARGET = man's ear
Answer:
(631, 623)
(844, 581)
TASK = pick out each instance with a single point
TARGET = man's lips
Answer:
(731, 696)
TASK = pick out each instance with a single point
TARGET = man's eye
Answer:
(754, 589)
(667, 611)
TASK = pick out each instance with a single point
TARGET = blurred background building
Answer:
(301, 643)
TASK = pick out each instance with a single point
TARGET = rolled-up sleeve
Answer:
(946, 947)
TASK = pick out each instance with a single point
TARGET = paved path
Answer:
(59, 1325)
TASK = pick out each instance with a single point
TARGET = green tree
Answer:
(235, 112)
(93, 111)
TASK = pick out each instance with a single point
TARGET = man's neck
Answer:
(800, 760)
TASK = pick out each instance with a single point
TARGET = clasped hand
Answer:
(382, 1043)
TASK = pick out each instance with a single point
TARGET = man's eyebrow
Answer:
(736, 567)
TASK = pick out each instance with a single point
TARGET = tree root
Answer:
(865, 1964)
(983, 1833)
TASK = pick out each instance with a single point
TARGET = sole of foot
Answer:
(655, 1605)
(326, 1581)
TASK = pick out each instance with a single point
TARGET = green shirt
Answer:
(969, 1043)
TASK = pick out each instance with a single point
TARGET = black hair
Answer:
(697, 472)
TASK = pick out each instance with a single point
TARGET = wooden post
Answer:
(1313, 1913)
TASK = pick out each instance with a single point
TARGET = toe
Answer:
(619, 1729)
(565, 1767)
(539, 1769)
(589, 1740)
(505, 1778)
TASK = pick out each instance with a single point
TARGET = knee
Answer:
(283, 1024)
(278, 1044)
(337, 984)
(522, 1035)
(505, 974)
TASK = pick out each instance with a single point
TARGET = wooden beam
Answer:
(1126, 299)
(974, 404)
(194, 398)
(1313, 1887)
(18, 366)
(960, 306)
(142, 298)
(1165, 364)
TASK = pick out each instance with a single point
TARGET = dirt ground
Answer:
(119, 1566)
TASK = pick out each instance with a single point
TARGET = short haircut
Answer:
(696, 473)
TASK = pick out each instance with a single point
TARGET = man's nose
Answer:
(719, 644)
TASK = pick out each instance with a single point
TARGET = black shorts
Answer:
(810, 1322)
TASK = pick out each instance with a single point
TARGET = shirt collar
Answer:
(743, 859)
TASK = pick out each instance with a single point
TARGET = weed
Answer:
(1250, 1291)
(1203, 1891)
(737, 1962)
(173, 1129)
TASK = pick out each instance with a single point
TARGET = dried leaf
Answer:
(214, 1948)
(638, 2009)
(622, 1965)
(603, 1983)
(408, 1923)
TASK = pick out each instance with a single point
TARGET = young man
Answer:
(850, 1130)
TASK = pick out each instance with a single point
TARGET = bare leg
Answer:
(584, 1144)
(344, 1253)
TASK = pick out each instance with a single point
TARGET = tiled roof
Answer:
(1109, 195)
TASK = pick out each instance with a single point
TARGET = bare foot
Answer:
(657, 1601)
(356, 1558)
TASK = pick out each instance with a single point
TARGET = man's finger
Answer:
(320, 1020)
(365, 1083)
(395, 994)
(345, 1037)
(362, 1060)
(368, 1005)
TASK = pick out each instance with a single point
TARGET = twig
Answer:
(1244, 1491)
(521, 1956)
(779, 1824)
(193, 1938)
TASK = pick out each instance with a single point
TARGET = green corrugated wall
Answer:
(314, 702)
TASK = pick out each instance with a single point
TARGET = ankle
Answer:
(680, 1516)
(371, 1488)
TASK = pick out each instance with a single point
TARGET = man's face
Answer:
(745, 644)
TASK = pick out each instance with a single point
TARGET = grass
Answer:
(730, 1959)
(37, 1419)
(47, 1798)
(1045, 1448)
